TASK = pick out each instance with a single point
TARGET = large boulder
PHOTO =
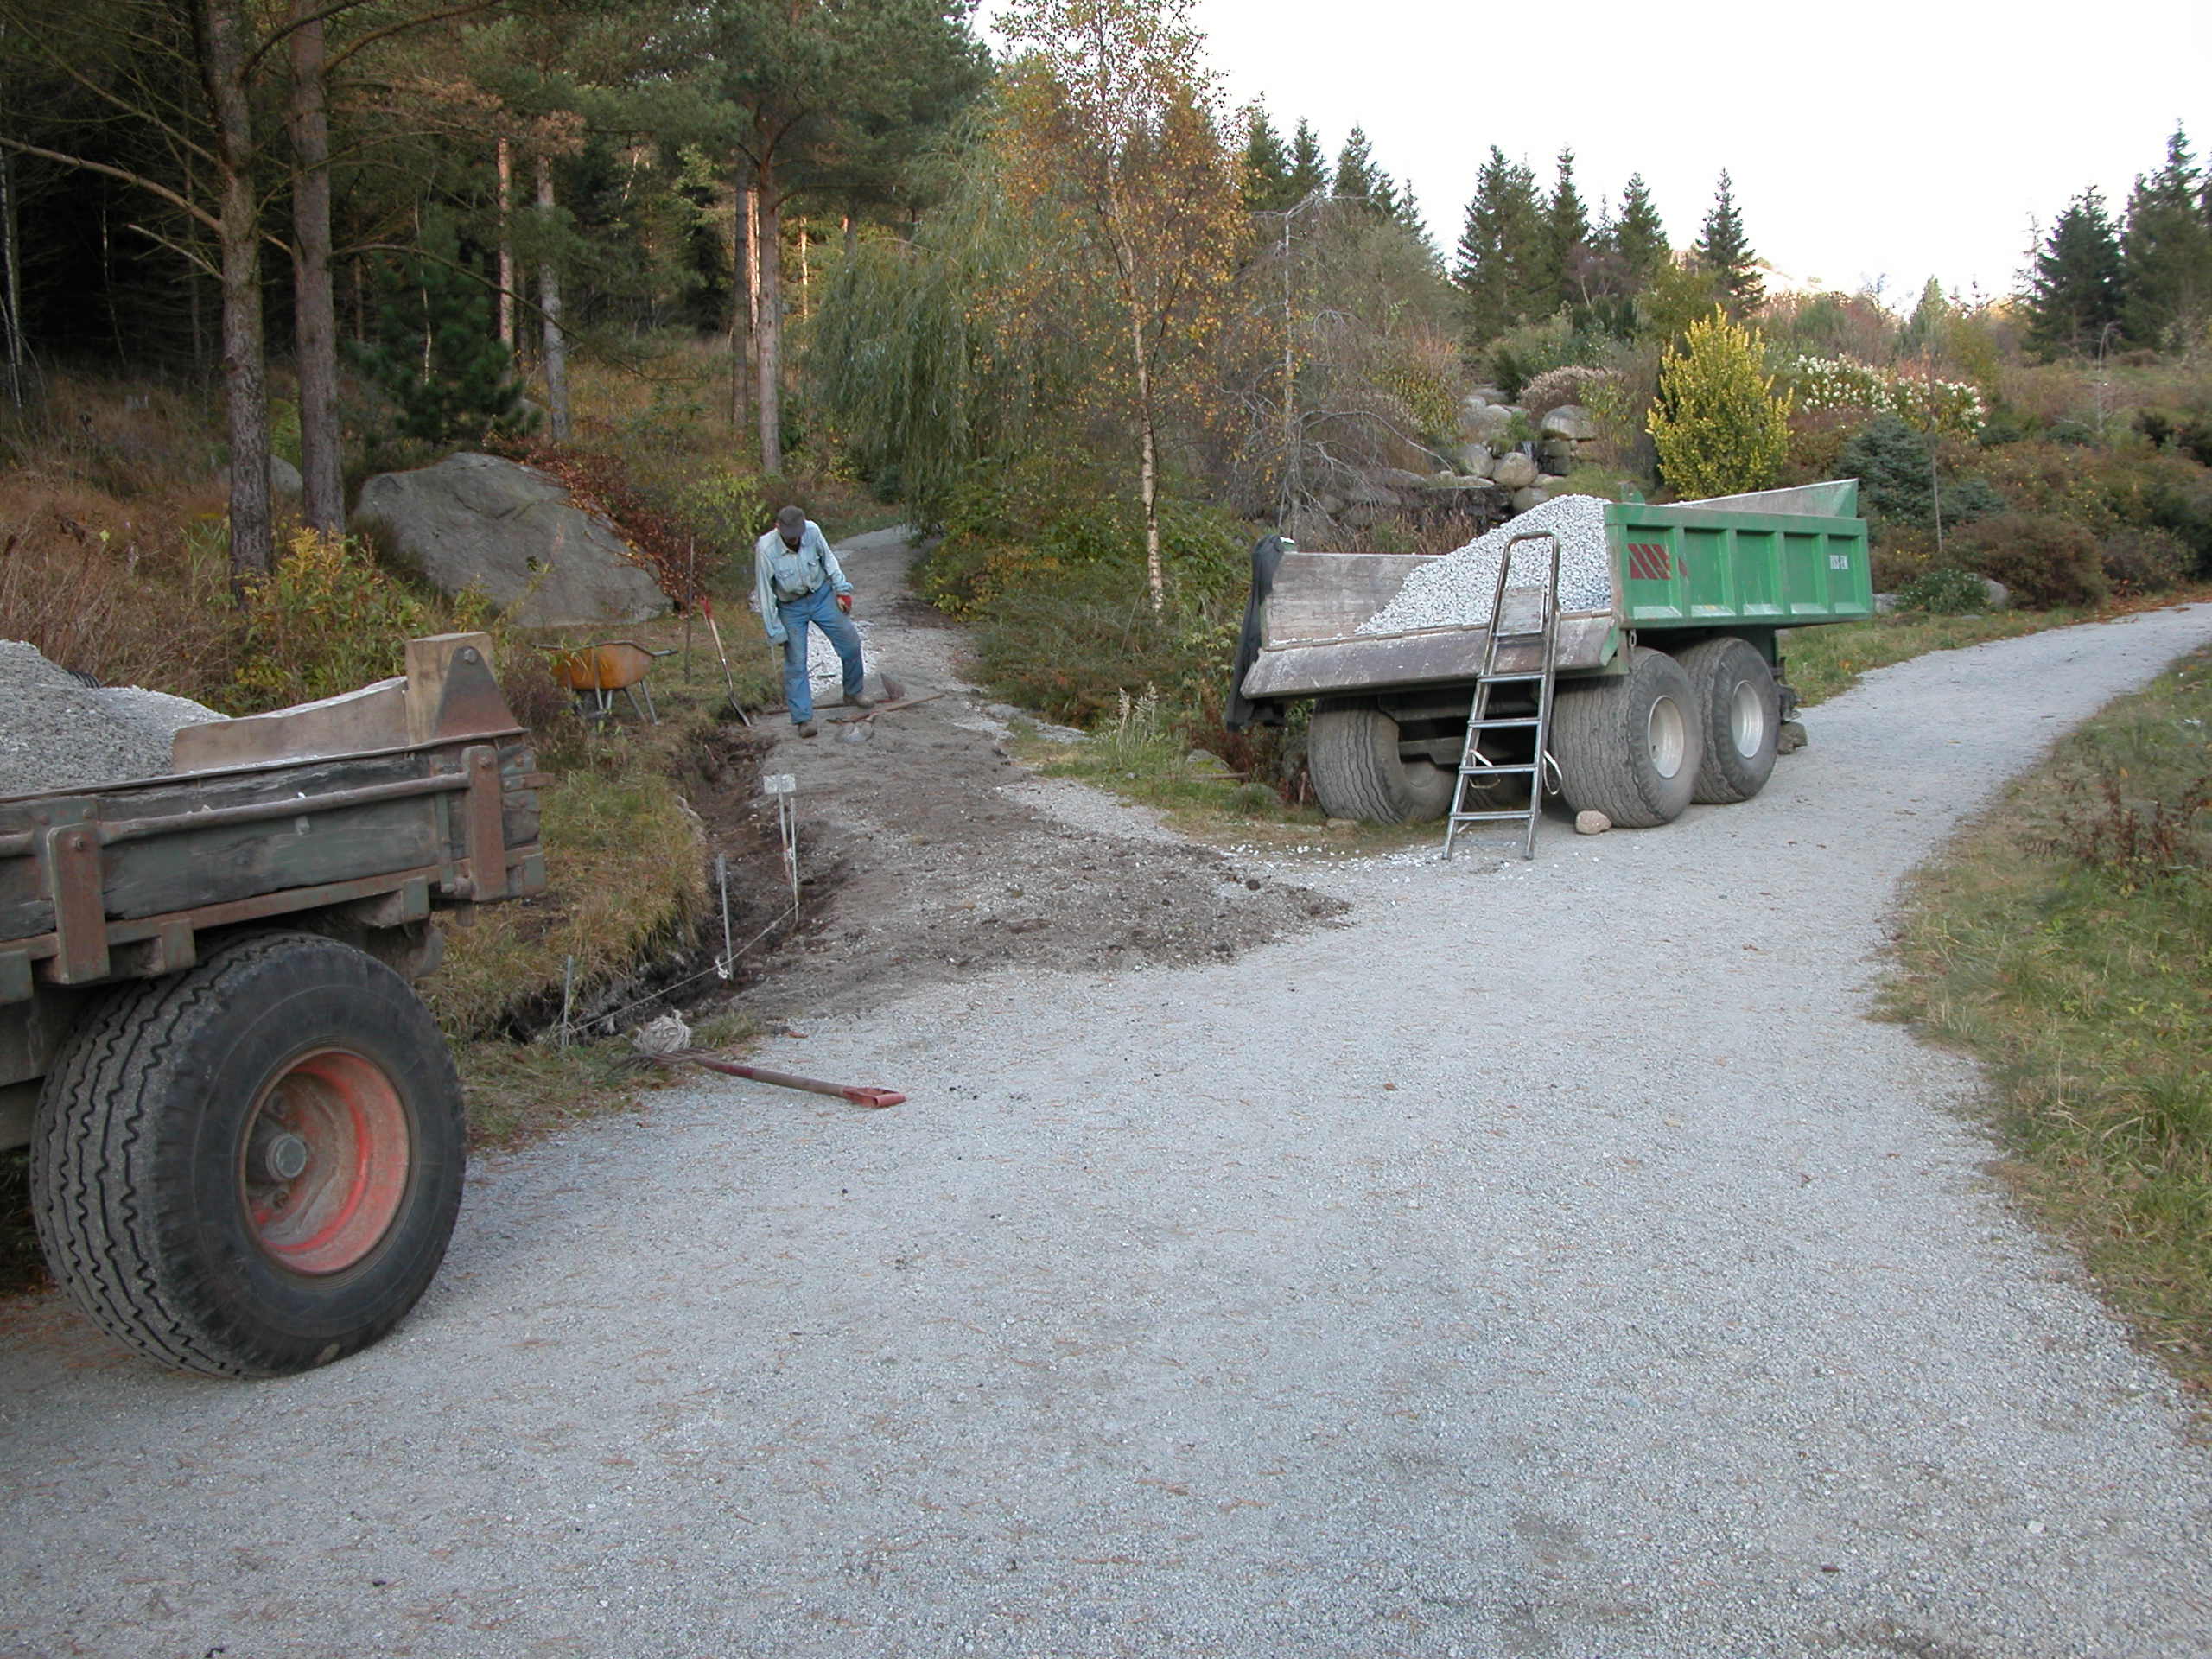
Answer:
(1570, 421)
(1477, 458)
(1481, 423)
(1514, 471)
(511, 532)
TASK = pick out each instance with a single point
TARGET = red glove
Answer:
(845, 603)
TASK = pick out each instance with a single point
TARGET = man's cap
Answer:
(791, 518)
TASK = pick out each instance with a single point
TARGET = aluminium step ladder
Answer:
(1474, 765)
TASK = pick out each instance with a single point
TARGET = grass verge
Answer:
(2063, 942)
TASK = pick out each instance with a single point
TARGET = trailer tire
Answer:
(1351, 750)
(252, 1167)
(1741, 713)
(1628, 746)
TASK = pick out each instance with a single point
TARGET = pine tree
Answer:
(1495, 261)
(1639, 237)
(1566, 243)
(1924, 330)
(2165, 252)
(1725, 257)
(1358, 179)
(2075, 288)
(1268, 187)
(1309, 174)
(434, 352)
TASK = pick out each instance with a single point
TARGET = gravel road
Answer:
(1551, 1261)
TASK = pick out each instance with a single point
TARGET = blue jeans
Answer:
(820, 608)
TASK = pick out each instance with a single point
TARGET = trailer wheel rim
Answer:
(1747, 718)
(1667, 735)
(324, 1163)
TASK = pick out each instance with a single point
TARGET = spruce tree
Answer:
(2165, 252)
(1495, 263)
(434, 350)
(1268, 187)
(2076, 284)
(1566, 241)
(1357, 178)
(1309, 174)
(1639, 237)
(1724, 255)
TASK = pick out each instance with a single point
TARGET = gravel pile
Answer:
(1457, 589)
(61, 735)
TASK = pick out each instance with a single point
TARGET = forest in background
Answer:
(1062, 306)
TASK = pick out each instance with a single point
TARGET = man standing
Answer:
(796, 582)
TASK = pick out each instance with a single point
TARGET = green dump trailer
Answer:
(1672, 693)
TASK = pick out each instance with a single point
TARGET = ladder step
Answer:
(1518, 768)
(1510, 680)
(1488, 724)
(1489, 817)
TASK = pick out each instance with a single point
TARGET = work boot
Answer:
(857, 700)
(809, 728)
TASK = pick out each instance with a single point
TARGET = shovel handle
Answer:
(859, 1094)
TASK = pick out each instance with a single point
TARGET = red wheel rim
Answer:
(324, 1166)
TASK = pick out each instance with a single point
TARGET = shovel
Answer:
(728, 684)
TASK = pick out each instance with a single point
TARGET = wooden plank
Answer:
(374, 717)
(189, 868)
(73, 859)
(1327, 595)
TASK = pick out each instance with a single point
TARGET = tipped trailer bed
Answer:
(1673, 692)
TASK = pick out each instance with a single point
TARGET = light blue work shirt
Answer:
(782, 574)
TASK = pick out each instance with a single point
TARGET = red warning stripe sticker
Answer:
(1649, 561)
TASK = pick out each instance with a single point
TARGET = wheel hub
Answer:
(1747, 718)
(1667, 735)
(324, 1165)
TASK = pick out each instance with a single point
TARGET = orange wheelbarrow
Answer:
(596, 672)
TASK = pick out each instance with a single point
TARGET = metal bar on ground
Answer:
(859, 1094)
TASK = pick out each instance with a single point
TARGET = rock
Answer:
(667, 1034)
(1514, 472)
(1476, 460)
(1570, 421)
(511, 532)
(1340, 825)
(1486, 394)
(1592, 822)
(1999, 595)
(1548, 481)
(1885, 604)
(1790, 737)
(1531, 497)
(284, 479)
(856, 732)
(1556, 455)
(1206, 760)
(1487, 424)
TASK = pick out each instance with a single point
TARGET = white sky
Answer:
(1873, 141)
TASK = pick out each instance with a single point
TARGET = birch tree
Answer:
(1116, 123)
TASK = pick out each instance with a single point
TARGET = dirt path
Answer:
(931, 857)
(1550, 1260)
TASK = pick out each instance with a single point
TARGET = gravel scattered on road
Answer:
(1457, 590)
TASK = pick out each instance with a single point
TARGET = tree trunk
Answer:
(221, 29)
(1148, 444)
(548, 302)
(315, 326)
(506, 244)
(770, 347)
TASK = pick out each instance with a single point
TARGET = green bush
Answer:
(327, 621)
(2046, 562)
(2145, 560)
(1945, 592)
(1716, 423)
(1895, 467)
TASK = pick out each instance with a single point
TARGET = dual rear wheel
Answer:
(1638, 747)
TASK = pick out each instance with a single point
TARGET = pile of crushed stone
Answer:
(57, 733)
(1456, 590)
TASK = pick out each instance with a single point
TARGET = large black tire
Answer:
(1351, 750)
(252, 1167)
(1628, 746)
(1741, 713)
